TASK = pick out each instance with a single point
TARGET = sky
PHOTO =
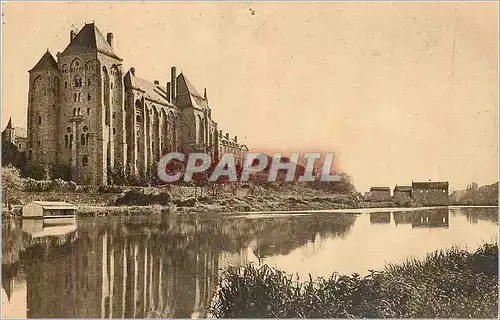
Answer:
(399, 91)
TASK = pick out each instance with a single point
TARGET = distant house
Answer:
(430, 193)
(15, 135)
(402, 194)
(48, 209)
(380, 193)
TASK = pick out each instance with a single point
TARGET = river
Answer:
(141, 266)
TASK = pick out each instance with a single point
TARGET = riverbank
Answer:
(451, 283)
(187, 200)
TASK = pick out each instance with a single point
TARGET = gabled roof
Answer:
(402, 188)
(430, 185)
(47, 61)
(380, 189)
(151, 91)
(184, 87)
(90, 39)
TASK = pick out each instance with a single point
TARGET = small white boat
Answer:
(53, 210)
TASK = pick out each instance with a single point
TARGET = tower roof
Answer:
(47, 61)
(90, 39)
(9, 125)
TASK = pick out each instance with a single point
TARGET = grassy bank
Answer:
(450, 283)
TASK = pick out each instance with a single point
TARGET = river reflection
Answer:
(144, 266)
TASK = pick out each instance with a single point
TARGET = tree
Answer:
(12, 184)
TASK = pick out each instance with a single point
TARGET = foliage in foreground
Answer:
(449, 283)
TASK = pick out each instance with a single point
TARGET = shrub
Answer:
(143, 197)
(451, 283)
(36, 172)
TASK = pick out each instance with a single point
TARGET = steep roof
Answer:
(90, 39)
(151, 91)
(403, 188)
(47, 61)
(184, 87)
(9, 125)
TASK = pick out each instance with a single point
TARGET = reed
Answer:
(448, 283)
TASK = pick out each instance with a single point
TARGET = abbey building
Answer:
(86, 112)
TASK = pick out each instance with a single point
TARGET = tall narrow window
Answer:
(71, 141)
(78, 112)
(76, 96)
(85, 161)
(87, 139)
(82, 139)
(89, 97)
(88, 111)
(74, 111)
(66, 141)
(79, 97)
(39, 119)
(89, 83)
(44, 92)
(65, 84)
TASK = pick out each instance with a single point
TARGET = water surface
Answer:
(139, 266)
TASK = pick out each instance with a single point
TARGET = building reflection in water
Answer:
(435, 218)
(140, 268)
(380, 217)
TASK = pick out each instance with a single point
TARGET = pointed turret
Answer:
(9, 125)
(47, 61)
(205, 94)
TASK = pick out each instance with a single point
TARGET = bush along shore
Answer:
(451, 283)
(182, 197)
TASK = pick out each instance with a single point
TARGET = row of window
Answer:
(78, 111)
(68, 140)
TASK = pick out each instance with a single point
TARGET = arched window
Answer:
(138, 119)
(68, 129)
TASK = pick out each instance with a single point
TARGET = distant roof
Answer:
(380, 189)
(402, 188)
(430, 185)
(55, 204)
(90, 39)
(151, 91)
(21, 132)
(47, 61)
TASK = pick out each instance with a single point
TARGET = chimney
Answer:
(173, 84)
(72, 35)
(236, 139)
(227, 135)
(132, 71)
(157, 82)
(220, 133)
(109, 39)
(168, 91)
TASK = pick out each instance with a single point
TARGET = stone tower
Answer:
(91, 112)
(43, 108)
